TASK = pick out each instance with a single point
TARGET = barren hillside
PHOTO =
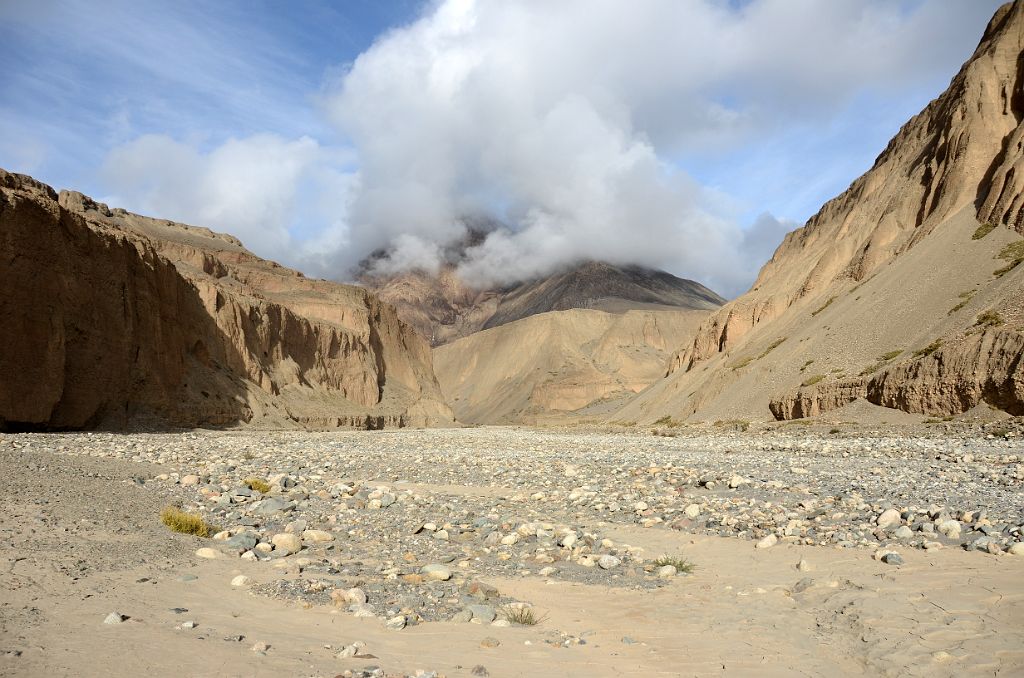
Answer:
(549, 365)
(906, 290)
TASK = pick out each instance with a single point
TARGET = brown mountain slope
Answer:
(881, 271)
(112, 319)
(443, 308)
(549, 365)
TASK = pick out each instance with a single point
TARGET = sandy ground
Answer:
(79, 540)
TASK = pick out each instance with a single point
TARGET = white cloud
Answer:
(566, 121)
(247, 187)
(560, 119)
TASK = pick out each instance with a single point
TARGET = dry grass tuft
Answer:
(186, 523)
(258, 484)
(521, 614)
(811, 381)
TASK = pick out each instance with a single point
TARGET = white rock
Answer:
(667, 571)
(241, 580)
(317, 536)
(286, 542)
(207, 552)
(114, 618)
(608, 562)
(768, 542)
(888, 518)
(692, 511)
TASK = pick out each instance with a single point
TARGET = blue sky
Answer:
(688, 135)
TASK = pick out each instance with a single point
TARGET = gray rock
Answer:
(892, 559)
(273, 505)
(484, 613)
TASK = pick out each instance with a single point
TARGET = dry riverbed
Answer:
(405, 553)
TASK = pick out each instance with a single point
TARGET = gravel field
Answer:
(408, 528)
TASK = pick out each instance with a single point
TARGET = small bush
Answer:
(983, 230)
(186, 523)
(740, 364)
(882, 361)
(966, 298)
(834, 431)
(258, 484)
(667, 420)
(774, 345)
(521, 615)
(989, 319)
(1013, 253)
(811, 381)
(824, 306)
(929, 349)
(806, 365)
(682, 565)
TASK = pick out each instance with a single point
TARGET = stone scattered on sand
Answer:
(767, 542)
(207, 552)
(241, 580)
(114, 618)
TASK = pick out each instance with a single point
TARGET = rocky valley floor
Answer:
(433, 552)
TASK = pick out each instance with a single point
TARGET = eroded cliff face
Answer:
(986, 367)
(966, 149)
(113, 319)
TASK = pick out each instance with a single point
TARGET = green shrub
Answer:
(1013, 253)
(929, 349)
(811, 381)
(989, 318)
(824, 306)
(682, 565)
(983, 230)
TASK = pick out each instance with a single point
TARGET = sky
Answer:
(688, 135)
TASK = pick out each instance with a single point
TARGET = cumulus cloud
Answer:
(562, 120)
(566, 126)
(248, 187)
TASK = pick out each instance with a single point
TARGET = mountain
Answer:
(548, 366)
(113, 319)
(905, 291)
(443, 307)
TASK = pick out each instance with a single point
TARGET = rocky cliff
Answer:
(904, 258)
(113, 319)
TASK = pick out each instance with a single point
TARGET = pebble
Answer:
(768, 542)
(241, 580)
(666, 571)
(207, 552)
(608, 562)
(490, 641)
(114, 618)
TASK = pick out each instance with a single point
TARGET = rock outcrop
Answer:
(985, 367)
(112, 319)
(896, 260)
